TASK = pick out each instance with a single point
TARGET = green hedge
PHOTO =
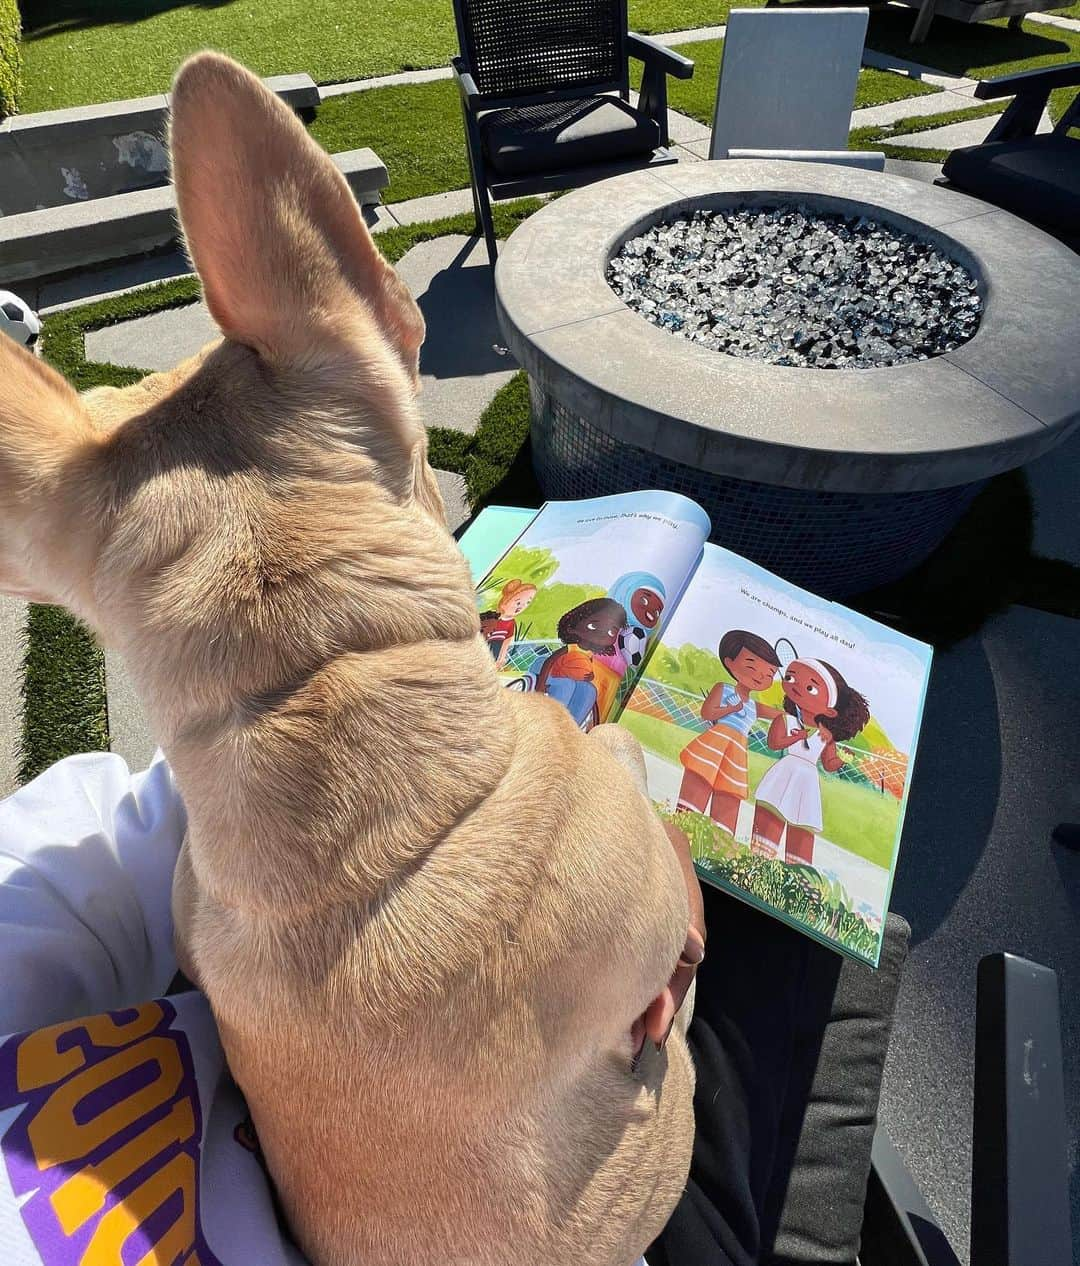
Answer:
(10, 58)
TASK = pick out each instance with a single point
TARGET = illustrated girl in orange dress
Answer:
(715, 763)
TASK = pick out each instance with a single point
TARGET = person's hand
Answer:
(590, 676)
(799, 735)
(655, 1023)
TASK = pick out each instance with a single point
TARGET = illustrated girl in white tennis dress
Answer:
(820, 710)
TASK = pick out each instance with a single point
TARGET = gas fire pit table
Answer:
(831, 361)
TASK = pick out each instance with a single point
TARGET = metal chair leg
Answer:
(922, 22)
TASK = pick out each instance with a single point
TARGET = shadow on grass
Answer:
(956, 48)
(49, 17)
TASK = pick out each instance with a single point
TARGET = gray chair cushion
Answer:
(1035, 177)
(831, 1109)
(556, 135)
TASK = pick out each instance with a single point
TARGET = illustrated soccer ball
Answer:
(633, 643)
(17, 320)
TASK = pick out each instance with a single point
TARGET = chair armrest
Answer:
(651, 52)
(1043, 81)
(470, 94)
(898, 1227)
(1019, 1177)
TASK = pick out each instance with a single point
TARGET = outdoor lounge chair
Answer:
(787, 86)
(1035, 177)
(545, 96)
(972, 11)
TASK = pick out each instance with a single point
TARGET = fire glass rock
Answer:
(792, 287)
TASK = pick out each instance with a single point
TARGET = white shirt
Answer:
(119, 1134)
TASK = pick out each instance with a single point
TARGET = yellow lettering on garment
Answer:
(103, 1153)
(84, 1195)
(45, 1057)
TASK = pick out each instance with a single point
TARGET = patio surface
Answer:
(996, 768)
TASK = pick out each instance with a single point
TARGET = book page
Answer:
(779, 732)
(574, 605)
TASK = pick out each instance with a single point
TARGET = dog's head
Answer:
(268, 503)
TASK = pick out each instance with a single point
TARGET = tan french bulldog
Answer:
(433, 919)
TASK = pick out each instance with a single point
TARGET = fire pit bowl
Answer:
(831, 438)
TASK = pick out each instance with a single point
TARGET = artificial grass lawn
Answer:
(697, 97)
(81, 51)
(415, 129)
(64, 708)
(63, 691)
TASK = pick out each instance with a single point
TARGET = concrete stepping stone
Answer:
(155, 342)
(460, 367)
(910, 107)
(956, 135)
(12, 624)
(927, 172)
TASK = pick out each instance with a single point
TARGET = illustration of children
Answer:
(499, 627)
(575, 674)
(820, 710)
(642, 596)
(715, 763)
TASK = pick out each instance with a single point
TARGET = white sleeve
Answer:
(87, 852)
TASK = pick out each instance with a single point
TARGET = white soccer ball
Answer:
(18, 320)
(633, 643)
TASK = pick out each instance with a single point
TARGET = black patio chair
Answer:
(1019, 1174)
(545, 90)
(1035, 177)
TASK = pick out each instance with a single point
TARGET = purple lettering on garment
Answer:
(106, 1148)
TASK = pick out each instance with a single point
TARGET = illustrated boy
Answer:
(499, 627)
(715, 763)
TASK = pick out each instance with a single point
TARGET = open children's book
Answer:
(779, 728)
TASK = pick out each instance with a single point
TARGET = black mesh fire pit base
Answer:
(833, 543)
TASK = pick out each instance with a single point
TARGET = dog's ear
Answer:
(43, 427)
(271, 225)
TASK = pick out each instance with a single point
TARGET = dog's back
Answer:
(426, 911)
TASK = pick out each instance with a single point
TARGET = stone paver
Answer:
(431, 75)
(1054, 19)
(969, 132)
(12, 623)
(682, 128)
(910, 107)
(455, 498)
(129, 731)
(928, 172)
(461, 370)
(155, 342)
(699, 149)
(111, 279)
(433, 207)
